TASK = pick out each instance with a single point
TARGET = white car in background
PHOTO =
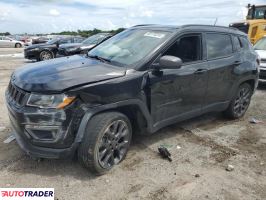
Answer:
(260, 48)
(9, 42)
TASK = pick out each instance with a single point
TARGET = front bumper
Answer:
(30, 54)
(262, 75)
(28, 122)
(42, 152)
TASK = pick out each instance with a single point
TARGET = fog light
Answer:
(42, 132)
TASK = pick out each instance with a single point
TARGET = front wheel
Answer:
(106, 142)
(46, 55)
(240, 102)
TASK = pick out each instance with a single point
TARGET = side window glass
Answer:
(187, 48)
(246, 44)
(78, 40)
(218, 45)
(237, 43)
(64, 41)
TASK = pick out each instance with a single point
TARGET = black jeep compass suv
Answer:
(140, 80)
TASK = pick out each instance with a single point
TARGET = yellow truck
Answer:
(255, 23)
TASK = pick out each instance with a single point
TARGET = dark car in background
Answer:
(85, 46)
(140, 80)
(48, 50)
(40, 40)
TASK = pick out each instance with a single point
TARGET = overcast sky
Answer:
(45, 16)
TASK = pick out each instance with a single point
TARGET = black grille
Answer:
(16, 95)
(263, 60)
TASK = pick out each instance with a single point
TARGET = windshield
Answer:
(256, 12)
(130, 46)
(261, 44)
(93, 39)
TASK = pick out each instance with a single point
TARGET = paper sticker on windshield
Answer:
(154, 34)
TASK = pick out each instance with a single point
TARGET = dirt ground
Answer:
(203, 146)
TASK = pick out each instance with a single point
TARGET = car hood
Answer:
(87, 46)
(57, 75)
(262, 53)
(71, 45)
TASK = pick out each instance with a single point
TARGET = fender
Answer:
(95, 110)
(242, 80)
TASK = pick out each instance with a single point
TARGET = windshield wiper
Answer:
(99, 58)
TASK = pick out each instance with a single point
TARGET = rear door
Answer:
(221, 61)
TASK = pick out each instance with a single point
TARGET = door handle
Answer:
(200, 71)
(237, 63)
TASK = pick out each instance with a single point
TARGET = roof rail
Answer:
(143, 25)
(208, 25)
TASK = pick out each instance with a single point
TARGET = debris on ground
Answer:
(165, 153)
(255, 121)
(2, 128)
(229, 168)
(9, 139)
(197, 175)
(178, 147)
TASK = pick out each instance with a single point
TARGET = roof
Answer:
(194, 27)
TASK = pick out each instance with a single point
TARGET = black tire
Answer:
(46, 55)
(18, 45)
(240, 102)
(101, 143)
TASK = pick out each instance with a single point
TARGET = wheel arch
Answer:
(135, 110)
(17, 43)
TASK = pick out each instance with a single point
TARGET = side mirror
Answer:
(170, 62)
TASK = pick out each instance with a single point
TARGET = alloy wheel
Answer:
(46, 55)
(242, 101)
(114, 144)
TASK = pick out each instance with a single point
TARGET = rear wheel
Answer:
(18, 45)
(240, 102)
(46, 55)
(106, 142)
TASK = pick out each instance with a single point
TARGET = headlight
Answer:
(50, 101)
(35, 49)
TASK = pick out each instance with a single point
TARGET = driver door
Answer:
(177, 94)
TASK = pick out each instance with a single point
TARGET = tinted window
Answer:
(218, 45)
(237, 43)
(188, 48)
